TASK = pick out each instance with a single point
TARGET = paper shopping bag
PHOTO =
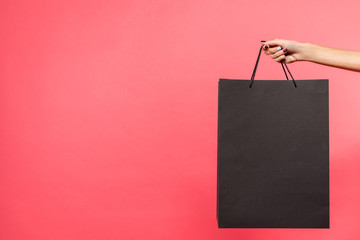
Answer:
(273, 153)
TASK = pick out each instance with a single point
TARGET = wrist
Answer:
(307, 51)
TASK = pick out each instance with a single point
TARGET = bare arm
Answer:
(297, 51)
(335, 57)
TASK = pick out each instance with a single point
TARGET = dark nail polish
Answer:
(263, 41)
(266, 46)
(285, 50)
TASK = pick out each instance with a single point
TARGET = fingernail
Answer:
(285, 50)
(263, 41)
(266, 46)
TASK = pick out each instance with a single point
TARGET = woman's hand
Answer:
(291, 51)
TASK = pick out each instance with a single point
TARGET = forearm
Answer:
(341, 58)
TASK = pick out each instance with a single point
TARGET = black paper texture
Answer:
(273, 154)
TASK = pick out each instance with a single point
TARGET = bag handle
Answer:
(282, 64)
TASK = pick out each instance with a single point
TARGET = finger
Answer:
(282, 57)
(269, 51)
(272, 45)
(274, 50)
(265, 49)
(290, 59)
(277, 54)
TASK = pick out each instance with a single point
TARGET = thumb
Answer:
(274, 42)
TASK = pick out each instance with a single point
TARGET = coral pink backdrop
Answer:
(108, 113)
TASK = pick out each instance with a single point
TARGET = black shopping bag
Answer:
(273, 153)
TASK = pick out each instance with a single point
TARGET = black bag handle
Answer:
(282, 64)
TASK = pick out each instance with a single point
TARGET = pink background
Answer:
(108, 113)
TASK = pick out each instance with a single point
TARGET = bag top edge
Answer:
(233, 79)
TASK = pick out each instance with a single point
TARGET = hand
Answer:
(291, 51)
